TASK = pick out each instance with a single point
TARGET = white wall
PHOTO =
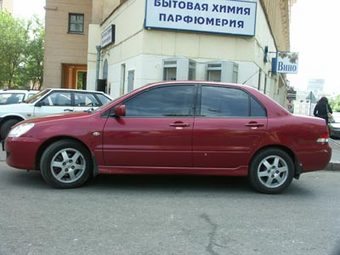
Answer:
(143, 51)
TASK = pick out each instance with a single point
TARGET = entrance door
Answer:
(73, 76)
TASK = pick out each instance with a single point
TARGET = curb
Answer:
(333, 166)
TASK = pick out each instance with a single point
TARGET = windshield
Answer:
(36, 97)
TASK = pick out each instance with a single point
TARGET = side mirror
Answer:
(120, 111)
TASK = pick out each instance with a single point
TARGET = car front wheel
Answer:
(66, 164)
(271, 171)
(6, 127)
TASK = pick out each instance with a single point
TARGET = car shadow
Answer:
(172, 184)
(169, 183)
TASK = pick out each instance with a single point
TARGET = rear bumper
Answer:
(314, 160)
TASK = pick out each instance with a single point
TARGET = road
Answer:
(168, 215)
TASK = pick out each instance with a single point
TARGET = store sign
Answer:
(211, 16)
(291, 94)
(108, 36)
(287, 62)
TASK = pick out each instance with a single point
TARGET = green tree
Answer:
(21, 52)
(33, 67)
(335, 104)
(13, 41)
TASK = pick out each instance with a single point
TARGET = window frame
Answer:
(198, 112)
(194, 101)
(69, 23)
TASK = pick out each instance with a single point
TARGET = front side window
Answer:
(57, 98)
(76, 23)
(228, 102)
(162, 102)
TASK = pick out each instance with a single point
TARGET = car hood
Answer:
(335, 124)
(58, 117)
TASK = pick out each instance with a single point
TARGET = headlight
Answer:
(20, 130)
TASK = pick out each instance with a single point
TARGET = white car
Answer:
(334, 127)
(14, 96)
(49, 101)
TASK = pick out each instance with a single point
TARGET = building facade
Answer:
(66, 43)
(6, 5)
(119, 45)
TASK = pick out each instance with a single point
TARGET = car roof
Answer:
(78, 90)
(18, 91)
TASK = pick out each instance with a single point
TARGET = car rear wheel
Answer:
(271, 171)
(66, 164)
(6, 127)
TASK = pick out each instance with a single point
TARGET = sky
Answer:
(314, 35)
(27, 8)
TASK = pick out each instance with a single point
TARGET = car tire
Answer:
(271, 171)
(66, 164)
(6, 127)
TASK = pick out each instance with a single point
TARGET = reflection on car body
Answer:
(187, 127)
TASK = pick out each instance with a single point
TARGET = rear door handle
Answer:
(179, 124)
(68, 110)
(254, 125)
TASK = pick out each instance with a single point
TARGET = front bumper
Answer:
(21, 152)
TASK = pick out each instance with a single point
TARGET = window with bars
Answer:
(76, 23)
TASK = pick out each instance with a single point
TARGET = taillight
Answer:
(323, 138)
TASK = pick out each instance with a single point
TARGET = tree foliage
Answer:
(335, 104)
(21, 52)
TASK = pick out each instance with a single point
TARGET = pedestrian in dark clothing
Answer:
(322, 109)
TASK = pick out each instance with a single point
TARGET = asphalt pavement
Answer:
(168, 215)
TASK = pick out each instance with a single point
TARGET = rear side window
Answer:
(228, 102)
(164, 101)
(11, 98)
(103, 99)
(256, 109)
(85, 99)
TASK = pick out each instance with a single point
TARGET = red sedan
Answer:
(187, 127)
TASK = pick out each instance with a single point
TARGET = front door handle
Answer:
(68, 110)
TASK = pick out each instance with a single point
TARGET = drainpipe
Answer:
(99, 48)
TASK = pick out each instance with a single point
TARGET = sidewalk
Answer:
(334, 164)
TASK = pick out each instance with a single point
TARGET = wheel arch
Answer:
(10, 117)
(48, 142)
(3, 122)
(290, 153)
